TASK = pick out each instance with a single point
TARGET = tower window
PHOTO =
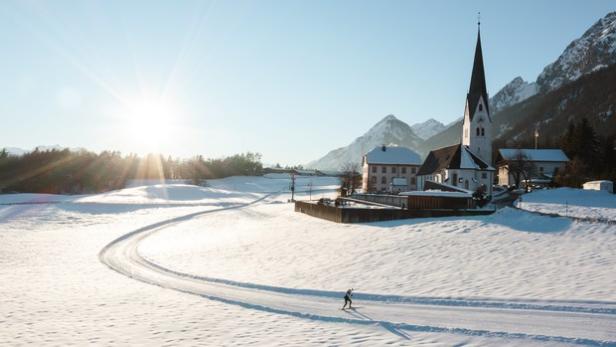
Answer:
(483, 132)
(477, 131)
(480, 107)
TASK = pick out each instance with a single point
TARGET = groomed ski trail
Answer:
(573, 322)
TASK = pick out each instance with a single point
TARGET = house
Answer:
(605, 185)
(390, 169)
(466, 164)
(534, 165)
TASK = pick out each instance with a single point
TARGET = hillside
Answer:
(592, 96)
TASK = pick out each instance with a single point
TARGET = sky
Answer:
(288, 79)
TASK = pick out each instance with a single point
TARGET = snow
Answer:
(584, 55)
(514, 92)
(571, 202)
(451, 281)
(428, 128)
(393, 155)
(534, 154)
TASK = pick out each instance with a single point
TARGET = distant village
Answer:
(460, 179)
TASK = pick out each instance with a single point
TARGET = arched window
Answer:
(483, 132)
(477, 131)
(480, 107)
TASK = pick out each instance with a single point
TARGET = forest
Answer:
(78, 172)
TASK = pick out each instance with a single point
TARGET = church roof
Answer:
(477, 87)
(452, 157)
(392, 155)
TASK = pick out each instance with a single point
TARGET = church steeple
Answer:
(477, 126)
(477, 88)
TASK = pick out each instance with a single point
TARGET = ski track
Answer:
(122, 256)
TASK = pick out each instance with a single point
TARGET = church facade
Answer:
(466, 165)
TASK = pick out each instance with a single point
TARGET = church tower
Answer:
(477, 128)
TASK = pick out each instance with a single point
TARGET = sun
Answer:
(149, 124)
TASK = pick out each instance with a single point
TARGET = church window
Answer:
(483, 132)
(480, 107)
(477, 131)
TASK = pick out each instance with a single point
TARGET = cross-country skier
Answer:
(347, 298)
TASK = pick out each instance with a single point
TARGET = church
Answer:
(467, 164)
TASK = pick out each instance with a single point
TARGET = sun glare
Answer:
(149, 124)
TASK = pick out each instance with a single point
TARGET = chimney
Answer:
(384, 148)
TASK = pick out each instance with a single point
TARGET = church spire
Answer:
(477, 88)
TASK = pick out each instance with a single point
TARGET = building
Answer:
(456, 166)
(390, 169)
(537, 165)
(605, 185)
(467, 164)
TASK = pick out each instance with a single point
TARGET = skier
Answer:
(347, 298)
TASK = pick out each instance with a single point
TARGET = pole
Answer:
(292, 187)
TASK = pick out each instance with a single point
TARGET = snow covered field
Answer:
(571, 202)
(511, 254)
(56, 290)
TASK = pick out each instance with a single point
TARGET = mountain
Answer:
(21, 151)
(594, 50)
(592, 96)
(14, 150)
(389, 131)
(515, 91)
(428, 128)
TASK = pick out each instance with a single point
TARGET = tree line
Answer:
(74, 172)
(591, 157)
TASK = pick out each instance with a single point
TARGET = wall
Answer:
(358, 215)
(368, 186)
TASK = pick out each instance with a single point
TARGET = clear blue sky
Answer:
(289, 79)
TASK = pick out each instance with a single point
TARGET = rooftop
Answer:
(393, 155)
(533, 154)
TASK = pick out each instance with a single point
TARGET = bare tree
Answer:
(350, 178)
(520, 167)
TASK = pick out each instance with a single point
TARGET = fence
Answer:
(364, 215)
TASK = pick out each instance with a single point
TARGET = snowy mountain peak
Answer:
(428, 128)
(388, 131)
(515, 91)
(593, 50)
